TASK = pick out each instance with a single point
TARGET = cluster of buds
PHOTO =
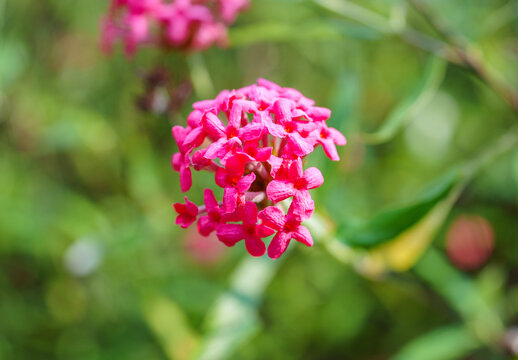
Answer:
(256, 153)
(181, 24)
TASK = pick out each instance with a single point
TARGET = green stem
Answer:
(200, 77)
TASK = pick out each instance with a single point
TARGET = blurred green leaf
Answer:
(462, 294)
(401, 253)
(423, 92)
(386, 225)
(233, 319)
(13, 59)
(170, 325)
(447, 343)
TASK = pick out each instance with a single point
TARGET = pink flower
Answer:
(328, 138)
(287, 227)
(208, 223)
(233, 181)
(230, 8)
(230, 234)
(286, 127)
(230, 138)
(180, 163)
(181, 24)
(297, 185)
(254, 140)
(187, 213)
(297, 182)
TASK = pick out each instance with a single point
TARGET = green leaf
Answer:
(462, 294)
(388, 224)
(421, 95)
(450, 342)
(169, 324)
(234, 320)
(13, 59)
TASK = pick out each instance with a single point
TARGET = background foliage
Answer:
(93, 267)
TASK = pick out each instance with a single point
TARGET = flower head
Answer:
(255, 140)
(182, 24)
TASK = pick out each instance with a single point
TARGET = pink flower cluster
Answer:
(254, 140)
(183, 24)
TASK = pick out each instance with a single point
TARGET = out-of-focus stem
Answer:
(323, 231)
(200, 77)
(375, 21)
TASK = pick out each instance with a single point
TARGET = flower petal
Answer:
(275, 163)
(245, 182)
(214, 148)
(296, 170)
(185, 178)
(313, 177)
(268, 84)
(298, 145)
(184, 220)
(255, 246)
(279, 190)
(187, 213)
(194, 118)
(213, 125)
(273, 217)
(230, 199)
(176, 161)
(179, 133)
(330, 149)
(236, 164)
(250, 213)
(302, 234)
(302, 206)
(230, 234)
(194, 138)
(210, 200)
(274, 129)
(264, 231)
(206, 226)
(251, 132)
(279, 244)
(319, 113)
(221, 177)
(191, 207)
(336, 136)
(263, 154)
(282, 111)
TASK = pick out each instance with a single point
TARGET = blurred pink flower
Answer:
(254, 140)
(191, 25)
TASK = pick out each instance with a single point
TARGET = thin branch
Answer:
(469, 59)
(383, 25)
(452, 47)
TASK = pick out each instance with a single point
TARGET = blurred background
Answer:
(410, 263)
